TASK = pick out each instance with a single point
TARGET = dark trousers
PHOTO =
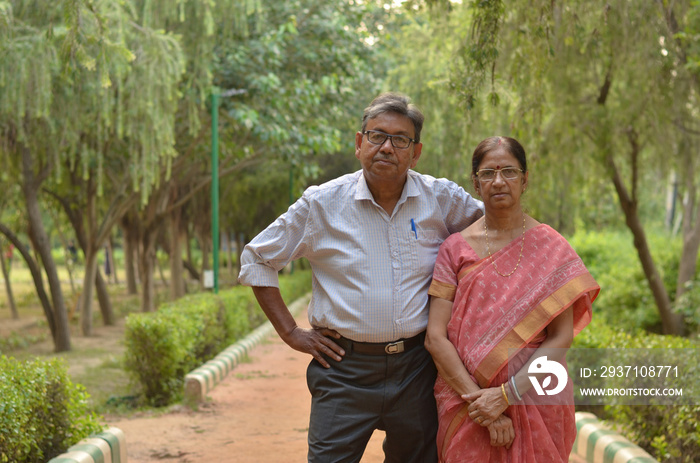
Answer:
(362, 393)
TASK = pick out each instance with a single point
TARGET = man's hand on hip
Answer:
(316, 341)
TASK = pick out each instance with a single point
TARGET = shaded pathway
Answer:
(259, 412)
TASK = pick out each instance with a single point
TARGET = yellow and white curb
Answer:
(204, 378)
(106, 447)
(597, 443)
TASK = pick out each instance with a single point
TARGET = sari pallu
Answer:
(492, 314)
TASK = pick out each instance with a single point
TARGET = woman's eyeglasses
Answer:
(508, 173)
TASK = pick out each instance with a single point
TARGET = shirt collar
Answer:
(410, 189)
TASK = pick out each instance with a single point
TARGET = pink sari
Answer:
(492, 314)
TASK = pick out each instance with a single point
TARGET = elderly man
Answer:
(371, 238)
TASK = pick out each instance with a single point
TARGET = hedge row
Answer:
(162, 347)
(41, 411)
(671, 433)
(625, 299)
(623, 317)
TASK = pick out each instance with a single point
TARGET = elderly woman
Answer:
(506, 291)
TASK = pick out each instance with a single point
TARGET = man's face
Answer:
(384, 163)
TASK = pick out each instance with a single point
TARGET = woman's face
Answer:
(500, 192)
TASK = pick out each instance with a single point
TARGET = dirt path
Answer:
(259, 412)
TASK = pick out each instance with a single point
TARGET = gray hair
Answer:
(398, 103)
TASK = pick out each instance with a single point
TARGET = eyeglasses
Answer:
(508, 173)
(397, 141)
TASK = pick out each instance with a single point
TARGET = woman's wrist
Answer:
(505, 394)
(514, 389)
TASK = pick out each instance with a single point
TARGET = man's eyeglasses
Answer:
(397, 141)
(508, 173)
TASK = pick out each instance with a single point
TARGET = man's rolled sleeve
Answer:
(282, 242)
(257, 274)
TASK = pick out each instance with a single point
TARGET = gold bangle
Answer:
(505, 396)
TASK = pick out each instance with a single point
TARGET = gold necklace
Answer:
(488, 249)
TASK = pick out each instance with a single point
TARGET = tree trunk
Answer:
(110, 257)
(105, 301)
(691, 235)
(68, 261)
(691, 246)
(86, 240)
(177, 280)
(672, 322)
(204, 246)
(36, 276)
(194, 274)
(226, 238)
(146, 270)
(91, 249)
(188, 248)
(160, 270)
(88, 285)
(30, 188)
(130, 261)
(8, 286)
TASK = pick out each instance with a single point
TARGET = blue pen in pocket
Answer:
(413, 227)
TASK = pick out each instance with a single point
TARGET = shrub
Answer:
(625, 298)
(156, 351)
(42, 412)
(239, 322)
(162, 347)
(669, 433)
(689, 306)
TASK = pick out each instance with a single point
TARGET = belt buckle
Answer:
(394, 347)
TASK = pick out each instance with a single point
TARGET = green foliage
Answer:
(239, 322)
(422, 71)
(15, 340)
(625, 299)
(689, 305)
(157, 351)
(689, 37)
(670, 433)
(42, 412)
(300, 73)
(267, 187)
(162, 347)
(621, 315)
(480, 53)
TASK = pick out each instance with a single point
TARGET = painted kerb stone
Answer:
(204, 378)
(596, 443)
(106, 447)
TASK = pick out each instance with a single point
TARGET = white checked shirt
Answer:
(371, 272)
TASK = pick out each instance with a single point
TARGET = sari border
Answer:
(442, 290)
(531, 325)
(472, 268)
(456, 422)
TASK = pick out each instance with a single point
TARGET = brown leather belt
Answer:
(381, 348)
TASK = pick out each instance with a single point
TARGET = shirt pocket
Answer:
(423, 249)
(428, 246)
